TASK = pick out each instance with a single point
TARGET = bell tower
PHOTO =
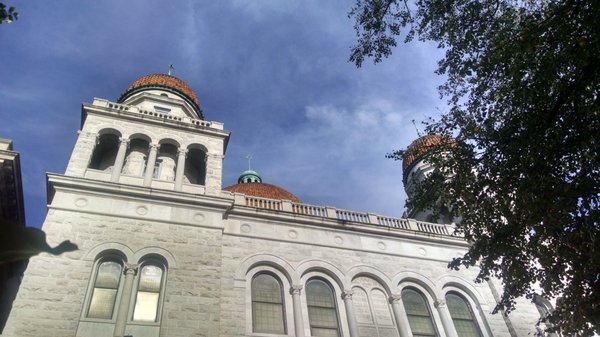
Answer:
(154, 136)
(416, 167)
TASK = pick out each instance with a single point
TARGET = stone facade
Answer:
(210, 244)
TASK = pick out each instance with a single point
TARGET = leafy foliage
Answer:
(523, 85)
(7, 15)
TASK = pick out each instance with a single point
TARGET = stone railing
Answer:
(132, 109)
(343, 216)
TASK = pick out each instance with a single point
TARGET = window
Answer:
(322, 313)
(161, 109)
(157, 167)
(105, 152)
(148, 293)
(372, 309)
(267, 305)
(106, 287)
(462, 316)
(417, 311)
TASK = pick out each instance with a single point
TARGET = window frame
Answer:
(335, 304)
(475, 303)
(282, 304)
(433, 316)
(469, 306)
(104, 257)
(287, 299)
(146, 261)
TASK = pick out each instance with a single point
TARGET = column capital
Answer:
(124, 141)
(182, 151)
(154, 146)
(296, 289)
(130, 269)
(347, 294)
(439, 303)
(395, 298)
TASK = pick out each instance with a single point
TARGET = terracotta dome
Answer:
(164, 82)
(262, 190)
(420, 147)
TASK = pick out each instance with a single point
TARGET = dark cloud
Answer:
(275, 72)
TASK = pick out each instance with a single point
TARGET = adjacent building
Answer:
(12, 213)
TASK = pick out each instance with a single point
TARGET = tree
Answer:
(523, 172)
(7, 15)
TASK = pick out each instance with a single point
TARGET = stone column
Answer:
(179, 171)
(120, 160)
(150, 164)
(446, 318)
(400, 315)
(347, 297)
(130, 271)
(298, 322)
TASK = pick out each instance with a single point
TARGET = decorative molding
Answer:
(347, 294)
(439, 303)
(395, 298)
(131, 269)
(296, 289)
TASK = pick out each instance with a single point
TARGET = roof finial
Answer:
(171, 68)
(416, 128)
(249, 157)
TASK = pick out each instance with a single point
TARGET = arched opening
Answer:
(105, 152)
(418, 314)
(166, 161)
(136, 158)
(267, 304)
(322, 309)
(195, 167)
(462, 316)
(372, 308)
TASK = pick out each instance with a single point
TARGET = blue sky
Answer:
(274, 71)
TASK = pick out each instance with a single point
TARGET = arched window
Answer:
(322, 313)
(149, 288)
(462, 316)
(136, 158)
(105, 152)
(417, 311)
(106, 287)
(195, 167)
(166, 162)
(267, 305)
(372, 309)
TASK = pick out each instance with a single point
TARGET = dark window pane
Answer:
(322, 313)
(462, 316)
(267, 305)
(417, 311)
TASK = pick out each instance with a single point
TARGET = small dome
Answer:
(249, 176)
(420, 147)
(164, 82)
(262, 190)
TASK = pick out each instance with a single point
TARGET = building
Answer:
(165, 250)
(12, 213)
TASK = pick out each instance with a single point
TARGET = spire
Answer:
(249, 157)
(249, 176)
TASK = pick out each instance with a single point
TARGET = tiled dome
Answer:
(421, 147)
(163, 81)
(262, 190)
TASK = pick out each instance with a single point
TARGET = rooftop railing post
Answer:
(373, 218)
(331, 212)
